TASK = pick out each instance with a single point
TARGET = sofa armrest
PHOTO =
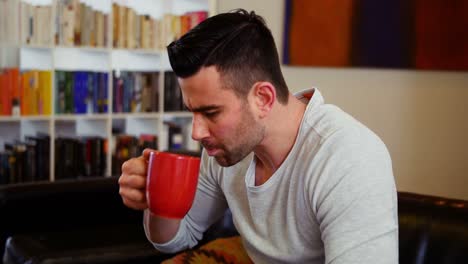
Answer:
(111, 244)
(61, 206)
(432, 229)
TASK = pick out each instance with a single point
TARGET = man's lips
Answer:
(210, 149)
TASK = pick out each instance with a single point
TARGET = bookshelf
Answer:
(106, 55)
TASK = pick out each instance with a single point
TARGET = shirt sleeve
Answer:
(208, 206)
(357, 212)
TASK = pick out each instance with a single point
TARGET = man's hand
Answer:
(133, 181)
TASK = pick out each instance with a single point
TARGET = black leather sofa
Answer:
(432, 230)
(85, 221)
(82, 221)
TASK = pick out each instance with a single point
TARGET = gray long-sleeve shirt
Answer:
(333, 200)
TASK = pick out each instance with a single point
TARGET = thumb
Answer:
(146, 153)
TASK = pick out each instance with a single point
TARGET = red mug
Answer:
(171, 183)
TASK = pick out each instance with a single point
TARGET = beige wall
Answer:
(422, 116)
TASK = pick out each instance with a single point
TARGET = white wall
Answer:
(422, 116)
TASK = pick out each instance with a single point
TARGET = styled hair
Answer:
(239, 45)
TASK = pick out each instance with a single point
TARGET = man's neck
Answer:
(281, 133)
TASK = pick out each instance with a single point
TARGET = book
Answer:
(196, 17)
(10, 89)
(77, 21)
(29, 93)
(82, 26)
(128, 87)
(18, 163)
(122, 13)
(25, 84)
(5, 93)
(130, 29)
(103, 92)
(5, 167)
(80, 92)
(66, 167)
(175, 136)
(69, 93)
(45, 93)
(41, 145)
(60, 80)
(172, 93)
(15, 89)
(99, 29)
(115, 24)
(68, 23)
(146, 94)
(96, 147)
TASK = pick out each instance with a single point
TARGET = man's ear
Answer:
(264, 96)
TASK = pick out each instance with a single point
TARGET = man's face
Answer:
(222, 122)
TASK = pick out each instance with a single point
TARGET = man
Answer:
(305, 182)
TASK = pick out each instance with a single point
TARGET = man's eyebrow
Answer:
(204, 108)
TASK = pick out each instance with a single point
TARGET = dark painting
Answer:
(418, 34)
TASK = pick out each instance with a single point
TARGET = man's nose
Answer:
(199, 128)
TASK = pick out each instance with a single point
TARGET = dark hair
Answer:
(241, 47)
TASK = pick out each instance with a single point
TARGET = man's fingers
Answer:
(134, 195)
(133, 181)
(135, 205)
(136, 166)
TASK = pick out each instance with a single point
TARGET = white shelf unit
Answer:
(104, 59)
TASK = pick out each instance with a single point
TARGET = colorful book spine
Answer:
(45, 93)
(80, 92)
(69, 85)
(60, 92)
(10, 83)
(104, 77)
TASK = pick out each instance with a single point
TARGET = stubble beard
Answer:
(244, 139)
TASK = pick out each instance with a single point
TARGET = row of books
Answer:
(79, 24)
(24, 23)
(139, 92)
(80, 157)
(25, 93)
(35, 24)
(75, 23)
(172, 94)
(135, 92)
(141, 31)
(28, 161)
(81, 92)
